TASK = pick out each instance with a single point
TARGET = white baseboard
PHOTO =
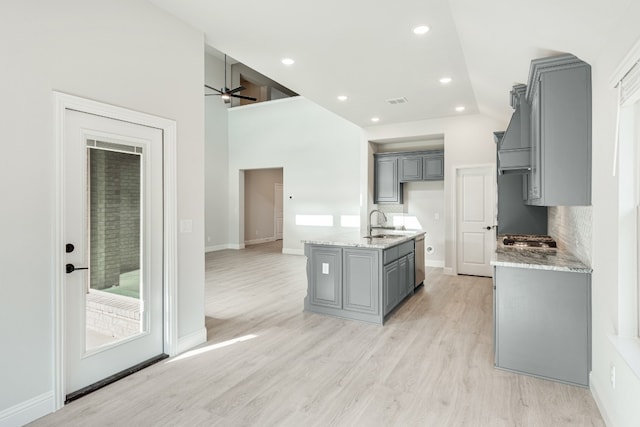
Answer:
(448, 271)
(192, 340)
(594, 387)
(439, 264)
(27, 411)
(216, 248)
(235, 246)
(258, 241)
(290, 251)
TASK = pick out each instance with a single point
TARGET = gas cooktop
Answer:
(529, 241)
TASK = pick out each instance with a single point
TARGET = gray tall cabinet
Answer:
(559, 92)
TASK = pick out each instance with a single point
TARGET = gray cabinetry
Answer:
(411, 168)
(392, 169)
(360, 279)
(325, 271)
(391, 285)
(398, 277)
(387, 181)
(433, 166)
(359, 283)
(542, 323)
(559, 92)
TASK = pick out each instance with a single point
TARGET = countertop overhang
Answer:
(536, 258)
(392, 238)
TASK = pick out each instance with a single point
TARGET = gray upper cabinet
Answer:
(387, 181)
(411, 168)
(433, 165)
(393, 169)
(559, 92)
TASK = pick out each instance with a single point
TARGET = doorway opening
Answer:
(263, 206)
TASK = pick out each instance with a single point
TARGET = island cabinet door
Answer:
(360, 280)
(391, 285)
(325, 278)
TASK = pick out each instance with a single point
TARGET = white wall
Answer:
(319, 153)
(425, 201)
(468, 140)
(259, 204)
(619, 405)
(129, 54)
(216, 155)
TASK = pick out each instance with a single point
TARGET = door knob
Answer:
(489, 227)
(70, 268)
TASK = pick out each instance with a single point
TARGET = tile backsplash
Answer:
(570, 226)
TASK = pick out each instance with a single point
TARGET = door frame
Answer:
(63, 102)
(454, 206)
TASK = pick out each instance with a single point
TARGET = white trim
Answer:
(215, 248)
(290, 251)
(437, 264)
(63, 102)
(629, 61)
(236, 246)
(258, 241)
(27, 411)
(191, 340)
(595, 388)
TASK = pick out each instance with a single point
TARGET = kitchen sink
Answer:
(384, 236)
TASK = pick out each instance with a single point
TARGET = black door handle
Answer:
(70, 268)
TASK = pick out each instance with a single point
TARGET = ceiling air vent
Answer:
(394, 101)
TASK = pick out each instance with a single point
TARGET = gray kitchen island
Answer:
(361, 278)
(542, 314)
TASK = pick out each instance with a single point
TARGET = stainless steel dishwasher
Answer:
(419, 261)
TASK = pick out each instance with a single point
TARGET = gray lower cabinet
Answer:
(325, 269)
(399, 274)
(360, 280)
(358, 283)
(543, 323)
(391, 285)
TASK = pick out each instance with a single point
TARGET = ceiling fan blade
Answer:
(238, 89)
(243, 97)
(212, 94)
(213, 88)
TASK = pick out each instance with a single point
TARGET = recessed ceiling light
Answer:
(460, 109)
(422, 29)
(342, 97)
(375, 119)
(288, 61)
(446, 80)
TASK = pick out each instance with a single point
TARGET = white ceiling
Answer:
(367, 50)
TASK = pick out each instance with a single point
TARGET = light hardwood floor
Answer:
(268, 363)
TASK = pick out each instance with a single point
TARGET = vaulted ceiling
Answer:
(368, 52)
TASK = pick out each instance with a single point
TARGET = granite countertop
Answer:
(392, 238)
(538, 258)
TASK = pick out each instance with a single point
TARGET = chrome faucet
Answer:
(384, 217)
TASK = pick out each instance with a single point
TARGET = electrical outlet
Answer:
(612, 375)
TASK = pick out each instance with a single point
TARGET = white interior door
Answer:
(475, 220)
(279, 210)
(113, 227)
